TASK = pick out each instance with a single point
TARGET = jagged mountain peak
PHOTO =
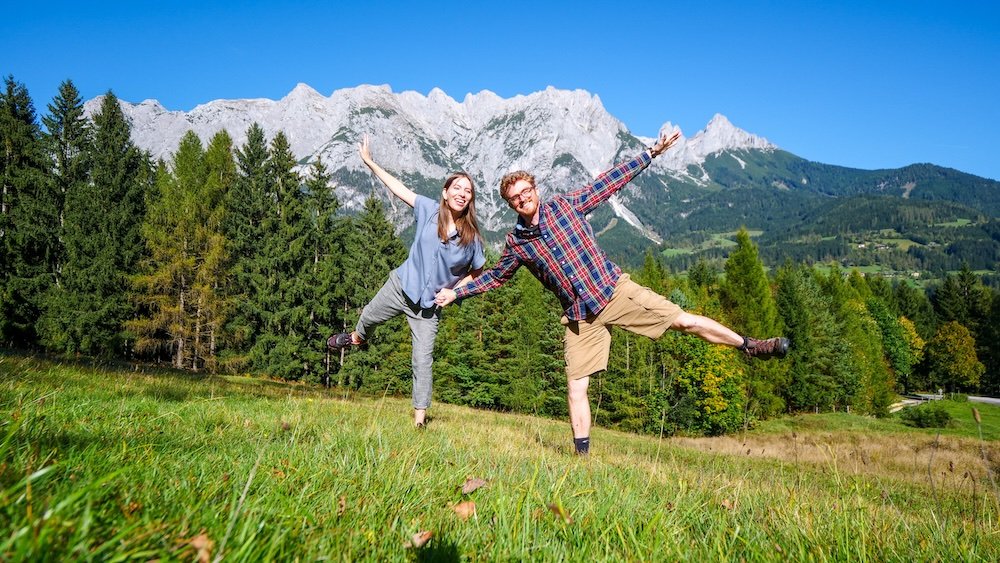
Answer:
(302, 91)
(720, 134)
(564, 137)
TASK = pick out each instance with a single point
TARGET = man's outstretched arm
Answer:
(609, 182)
(492, 278)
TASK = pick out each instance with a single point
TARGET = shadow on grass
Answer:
(438, 550)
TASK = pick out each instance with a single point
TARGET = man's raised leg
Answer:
(707, 329)
(717, 333)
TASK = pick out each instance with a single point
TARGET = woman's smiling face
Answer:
(458, 194)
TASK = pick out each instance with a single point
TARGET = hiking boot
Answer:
(339, 341)
(776, 347)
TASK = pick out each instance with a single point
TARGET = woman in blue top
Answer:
(447, 251)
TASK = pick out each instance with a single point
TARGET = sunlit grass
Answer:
(102, 464)
(955, 223)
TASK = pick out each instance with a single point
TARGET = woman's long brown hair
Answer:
(466, 224)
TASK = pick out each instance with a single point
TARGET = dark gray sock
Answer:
(582, 445)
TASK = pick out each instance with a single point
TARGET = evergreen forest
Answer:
(235, 259)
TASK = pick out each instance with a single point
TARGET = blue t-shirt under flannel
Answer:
(433, 264)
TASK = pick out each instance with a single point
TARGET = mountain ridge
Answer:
(564, 137)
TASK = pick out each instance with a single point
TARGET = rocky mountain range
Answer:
(564, 137)
(714, 181)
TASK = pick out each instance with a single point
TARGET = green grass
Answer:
(113, 464)
(955, 223)
(903, 244)
(963, 424)
(669, 252)
(717, 240)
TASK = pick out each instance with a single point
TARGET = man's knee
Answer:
(576, 389)
(686, 322)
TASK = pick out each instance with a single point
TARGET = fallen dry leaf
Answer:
(561, 512)
(472, 484)
(204, 547)
(341, 505)
(728, 504)
(465, 510)
(419, 539)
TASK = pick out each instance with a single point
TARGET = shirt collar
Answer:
(526, 232)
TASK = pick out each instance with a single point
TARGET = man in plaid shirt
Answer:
(556, 243)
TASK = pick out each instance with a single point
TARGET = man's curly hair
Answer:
(510, 179)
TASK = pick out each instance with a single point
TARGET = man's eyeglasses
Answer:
(516, 199)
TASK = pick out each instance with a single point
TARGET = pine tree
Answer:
(950, 303)
(750, 307)
(161, 285)
(104, 242)
(210, 278)
(913, 304)
(247, 206)
(702, 274)
(282, 348)
(29, 207)
(372, 251)
(627, 392)
(67, 139)
(977, 299)
(867, 384)
(322, 280)
(991, 340)
(181, 282)
(816, 367)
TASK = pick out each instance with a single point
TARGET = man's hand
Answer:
(663, 144)
(444, 297)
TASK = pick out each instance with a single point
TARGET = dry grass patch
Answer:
(951, 461)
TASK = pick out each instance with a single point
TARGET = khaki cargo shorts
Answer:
(633, 307)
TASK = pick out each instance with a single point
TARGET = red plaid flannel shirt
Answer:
(564, 255)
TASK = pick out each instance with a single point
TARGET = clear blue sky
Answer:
(866, 84)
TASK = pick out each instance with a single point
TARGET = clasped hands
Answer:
(444, 297)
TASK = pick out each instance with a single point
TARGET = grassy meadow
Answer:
(117, 463)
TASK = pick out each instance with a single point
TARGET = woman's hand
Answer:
(364, 151)
(444, 297)
(395, 186)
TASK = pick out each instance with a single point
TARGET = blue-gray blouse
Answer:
(433, 264)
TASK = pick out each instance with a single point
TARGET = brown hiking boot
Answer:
(776, 347)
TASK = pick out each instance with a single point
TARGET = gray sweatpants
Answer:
(389, 302)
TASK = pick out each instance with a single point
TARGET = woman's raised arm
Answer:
(395, 186)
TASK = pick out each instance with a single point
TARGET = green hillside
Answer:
(921, 218)
(128, 464)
